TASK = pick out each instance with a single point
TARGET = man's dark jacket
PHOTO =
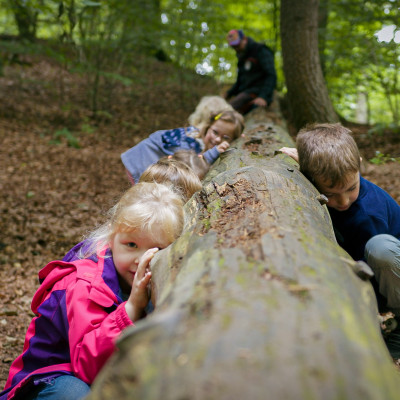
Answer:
(256, 71)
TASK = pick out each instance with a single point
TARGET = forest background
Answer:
(82, 81)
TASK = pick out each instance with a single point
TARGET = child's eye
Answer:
(132, 245)
(227, 138)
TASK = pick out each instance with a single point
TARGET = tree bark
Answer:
(307, 93)
(25, 17)
(323, 17)
(255, 300)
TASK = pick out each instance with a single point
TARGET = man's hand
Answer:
(259, 101)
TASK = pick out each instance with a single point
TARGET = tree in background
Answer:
(26, 17)
(106, 39)
(307, 94)
(358, 60)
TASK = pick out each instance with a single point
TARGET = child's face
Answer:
(341, 197)
(127, 249)
(220, 131)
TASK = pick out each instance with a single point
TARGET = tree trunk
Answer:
(255, 300)
(25, 16)
(307, 94)
(323, 17)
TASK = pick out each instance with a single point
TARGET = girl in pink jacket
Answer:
(86, 300)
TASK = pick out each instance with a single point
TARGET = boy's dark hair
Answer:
(327, 151)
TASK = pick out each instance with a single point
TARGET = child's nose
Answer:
(343, 200)
(139, 256)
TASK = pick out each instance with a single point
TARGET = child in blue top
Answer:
(211, 140)
(365, 218)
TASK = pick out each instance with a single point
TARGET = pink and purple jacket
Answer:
(78, 315)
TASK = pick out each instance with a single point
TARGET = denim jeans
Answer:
(64, 387)
(382, 254)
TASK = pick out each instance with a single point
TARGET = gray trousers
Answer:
(382, 254)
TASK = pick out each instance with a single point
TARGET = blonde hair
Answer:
(151, 208)
(171, 171)
(208, 105)
(232, 117)
(328, 152)
(193, 160)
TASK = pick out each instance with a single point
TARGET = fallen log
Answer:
(256, 300)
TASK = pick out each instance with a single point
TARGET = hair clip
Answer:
(217, 117)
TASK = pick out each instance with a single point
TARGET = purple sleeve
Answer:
(211, 155)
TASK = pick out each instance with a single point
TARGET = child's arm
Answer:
(139, 296)
(92, 329)
(290, 151)
(211, 155)
(145, 153)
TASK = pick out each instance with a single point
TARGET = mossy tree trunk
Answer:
(256, 300)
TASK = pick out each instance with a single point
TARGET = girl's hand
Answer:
(139, 296)
(290, 151)
(222, 147)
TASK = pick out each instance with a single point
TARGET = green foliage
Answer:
(381, 128)
(100, 40)
(87, 128)
(356, 62)
(381, 158)
(64, 135)
(194, 32)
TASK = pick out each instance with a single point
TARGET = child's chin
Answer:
(341, 209)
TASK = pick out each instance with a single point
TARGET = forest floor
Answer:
(60, 169)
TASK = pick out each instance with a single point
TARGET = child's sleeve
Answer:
(211, 155)
(92, 331)
(145, 153)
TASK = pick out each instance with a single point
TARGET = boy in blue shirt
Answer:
(365, 218)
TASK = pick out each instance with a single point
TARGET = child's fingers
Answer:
(144, 282)
(223, 146)
(290, 151)
(144, 262)
(146, 279)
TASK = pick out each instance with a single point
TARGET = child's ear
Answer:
(360, 159)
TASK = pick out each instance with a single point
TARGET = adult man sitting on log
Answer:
(256, 79)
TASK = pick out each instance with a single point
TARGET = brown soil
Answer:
(51, 193)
